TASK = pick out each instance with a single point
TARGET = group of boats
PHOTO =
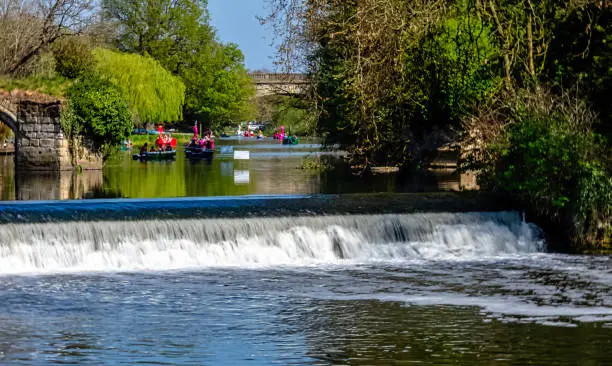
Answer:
(170, 154)
(194, 152)
(164, 147)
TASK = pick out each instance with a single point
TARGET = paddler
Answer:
(195, 130)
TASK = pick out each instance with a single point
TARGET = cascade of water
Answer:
(171, 244)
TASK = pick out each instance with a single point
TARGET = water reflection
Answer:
(381, 333)
(64, 185)
(271, 169)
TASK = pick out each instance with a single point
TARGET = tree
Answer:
(152, 92)
(581, 53)
(223, 92)
(357, 56)
(177, 34)
(27, 27)
(168, 30)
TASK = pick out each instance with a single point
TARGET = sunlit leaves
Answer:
(152, 92)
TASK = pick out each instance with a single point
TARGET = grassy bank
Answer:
(57, 86)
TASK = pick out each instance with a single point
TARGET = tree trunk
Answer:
(500, 30)
(530, 45)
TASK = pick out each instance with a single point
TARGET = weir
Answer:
(285, 241)
(248, 206)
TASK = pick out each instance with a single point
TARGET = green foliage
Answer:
(398, 113)
(581, 54)
(5, 132)
(42, 67)
(98, 111)
(179, 36)
(592, 208)
(152, 92)
(453, 68)
(288, 111)
(73, 57)
(168, 30)
(220, 92)
(551, 165)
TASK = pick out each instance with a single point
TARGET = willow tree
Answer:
(152, 92)
(178, 34)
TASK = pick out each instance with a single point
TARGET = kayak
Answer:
(161, 155)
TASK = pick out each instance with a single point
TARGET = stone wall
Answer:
(41, 145)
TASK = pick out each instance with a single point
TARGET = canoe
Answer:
(163, 155)
(198, 153)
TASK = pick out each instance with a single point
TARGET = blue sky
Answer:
(235, 21)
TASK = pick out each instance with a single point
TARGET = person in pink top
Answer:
(195, 130)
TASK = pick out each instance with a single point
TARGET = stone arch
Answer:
(8, 118)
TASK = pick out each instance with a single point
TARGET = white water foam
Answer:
(284, 241)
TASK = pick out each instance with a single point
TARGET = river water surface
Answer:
(272, 169)
(359, 289)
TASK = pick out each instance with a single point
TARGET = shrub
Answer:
(551, 162)
(73, 57)
(98, 111)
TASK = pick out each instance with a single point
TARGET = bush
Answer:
(73, 57)
(97, 111)
(592, 209)
(551, 163)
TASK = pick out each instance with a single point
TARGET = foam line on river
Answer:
(280, 241)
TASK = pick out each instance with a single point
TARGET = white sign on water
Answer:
(241, 155)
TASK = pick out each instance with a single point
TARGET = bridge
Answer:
(40, 144)
(279, 84)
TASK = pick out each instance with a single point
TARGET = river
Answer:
(261, 282)
(272, 169)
